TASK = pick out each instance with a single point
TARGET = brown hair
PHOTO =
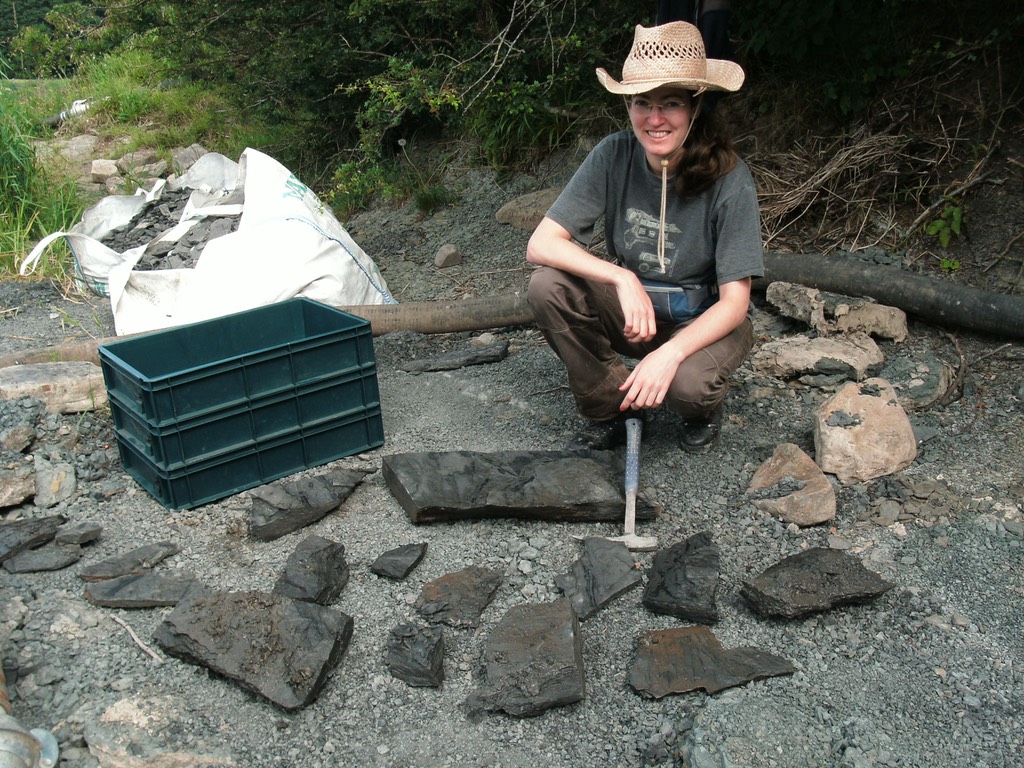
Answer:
(710, 154)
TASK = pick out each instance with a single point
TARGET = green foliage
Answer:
(23, 13)
(33, 203)
(72, 33)
(429, 192)
(514, 121)
(948, 223)
(358, 183)
(360, 74)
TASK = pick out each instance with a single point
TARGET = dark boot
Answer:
(698, 435)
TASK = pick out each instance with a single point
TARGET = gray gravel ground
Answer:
(931, 674)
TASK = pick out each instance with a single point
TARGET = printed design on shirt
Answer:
(641, 241)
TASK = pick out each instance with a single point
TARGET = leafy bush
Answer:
(72, 33)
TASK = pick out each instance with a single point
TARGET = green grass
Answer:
(33, 202)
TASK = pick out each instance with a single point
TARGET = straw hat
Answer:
(672, 54)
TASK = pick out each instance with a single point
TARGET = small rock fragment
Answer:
(251, 638)
(49, 557)
(137, 561)
(399, 562)
(533, 661)
(459, 598)
(814, 580)
(683, 580)
(27, 533)
(316, 571)
(415, 654)
(146, 590)
(687, 658)
(288, 505)
(604, 570)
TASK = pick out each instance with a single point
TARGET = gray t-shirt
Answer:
(712, 238)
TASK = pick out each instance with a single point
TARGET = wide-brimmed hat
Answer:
(672, 54)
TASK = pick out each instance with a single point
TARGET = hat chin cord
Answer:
(664, 183)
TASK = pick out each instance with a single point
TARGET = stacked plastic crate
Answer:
(207, 410)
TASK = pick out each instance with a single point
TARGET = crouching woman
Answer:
(682, 232)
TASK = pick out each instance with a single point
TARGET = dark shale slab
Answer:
(459, 598)
(398, 563)
(136, 561)
(49, 557)
(460, 358)
(27, 533)
(415, 654)
(687, 658)
(288, 505)
(683, 580)
(251, 638)
(316, 571)
(533, 661)
(604, 570)
(813, 580)
(533, 485)
(78, 533)
(147, 590)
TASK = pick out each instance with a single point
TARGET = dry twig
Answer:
(153, 654)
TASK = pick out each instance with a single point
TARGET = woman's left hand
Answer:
(648, 383)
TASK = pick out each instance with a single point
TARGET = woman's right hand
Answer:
(637, 309)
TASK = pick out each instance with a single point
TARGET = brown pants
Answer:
(582, 322)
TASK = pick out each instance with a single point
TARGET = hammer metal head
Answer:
(637, 543)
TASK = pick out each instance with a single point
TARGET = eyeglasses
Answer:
(668, 108)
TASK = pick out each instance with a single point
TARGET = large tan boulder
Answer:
(862, 432)
(525, 212)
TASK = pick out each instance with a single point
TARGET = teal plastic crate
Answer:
(180, 373)
(198, 439)
(236, 471)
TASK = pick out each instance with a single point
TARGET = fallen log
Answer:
(941, 302)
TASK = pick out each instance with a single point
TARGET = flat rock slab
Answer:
(279, 648)
(78, 533)
(316, 571)
(52, 556)
(473, 354)
(459, 598)
(534, 485)
(687, 658)
(146, 590)
(814, 580)
(604, 570)
(28, 533)
(399, 562)
(288, 505)
(65, 387)
(533, 661)
(137, 561)
(415, 654)
(683, 580)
